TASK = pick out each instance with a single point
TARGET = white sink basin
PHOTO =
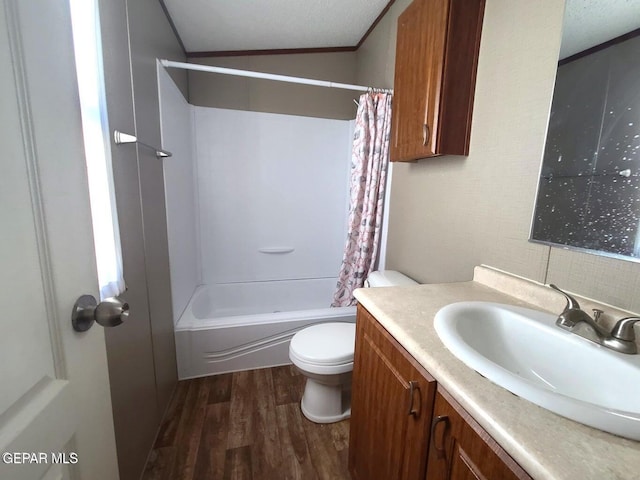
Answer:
(523, 351)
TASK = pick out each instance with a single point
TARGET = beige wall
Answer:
(141, 352)
(451, 213)
(151, 37)
(241, 93)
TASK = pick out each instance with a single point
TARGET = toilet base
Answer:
(322, 403)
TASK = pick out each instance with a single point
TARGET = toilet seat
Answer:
(324, 349)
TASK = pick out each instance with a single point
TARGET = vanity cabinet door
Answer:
(392, 402)
(436, 61)
(460, 449)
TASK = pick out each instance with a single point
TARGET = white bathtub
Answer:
(240, 326)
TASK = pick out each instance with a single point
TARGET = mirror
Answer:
(589, 186)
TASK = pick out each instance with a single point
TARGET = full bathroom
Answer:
(370, 240)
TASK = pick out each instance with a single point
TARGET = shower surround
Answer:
(256, 211)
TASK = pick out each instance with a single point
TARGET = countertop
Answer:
(546, 445)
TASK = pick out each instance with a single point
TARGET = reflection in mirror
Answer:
(589, 187)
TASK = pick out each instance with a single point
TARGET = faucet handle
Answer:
(571, 302)
(623, 329)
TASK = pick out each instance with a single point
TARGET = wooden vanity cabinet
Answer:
(391, 407)
(460, 449)
(437, 48)
(406, 427)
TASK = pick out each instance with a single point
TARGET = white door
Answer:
(55, 407)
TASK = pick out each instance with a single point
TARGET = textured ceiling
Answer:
(591, 22)
(216, 25)
(219, 25)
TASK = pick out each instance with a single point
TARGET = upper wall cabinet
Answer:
(435, 76)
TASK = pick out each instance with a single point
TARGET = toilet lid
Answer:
(326, 343)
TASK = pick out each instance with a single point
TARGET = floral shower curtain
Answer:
(369, 162)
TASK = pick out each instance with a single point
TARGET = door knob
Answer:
(111, 312)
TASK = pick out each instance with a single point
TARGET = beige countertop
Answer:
(546, 445)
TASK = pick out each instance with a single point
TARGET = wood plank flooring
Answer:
(246, 426)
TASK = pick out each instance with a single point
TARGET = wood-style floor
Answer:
(246, 426)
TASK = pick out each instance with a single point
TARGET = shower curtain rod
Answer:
(270, 76)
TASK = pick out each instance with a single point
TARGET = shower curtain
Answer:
(369, 162)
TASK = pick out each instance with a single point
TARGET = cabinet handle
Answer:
(413, 387)
(440, 451)
(425, 134)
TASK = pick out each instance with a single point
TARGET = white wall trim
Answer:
(384, 233)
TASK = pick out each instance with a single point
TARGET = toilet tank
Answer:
(388, 278)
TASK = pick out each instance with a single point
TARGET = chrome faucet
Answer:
(621, 338)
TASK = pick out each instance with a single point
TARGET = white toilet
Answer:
(324, 355)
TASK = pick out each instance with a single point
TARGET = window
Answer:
(88, 52)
